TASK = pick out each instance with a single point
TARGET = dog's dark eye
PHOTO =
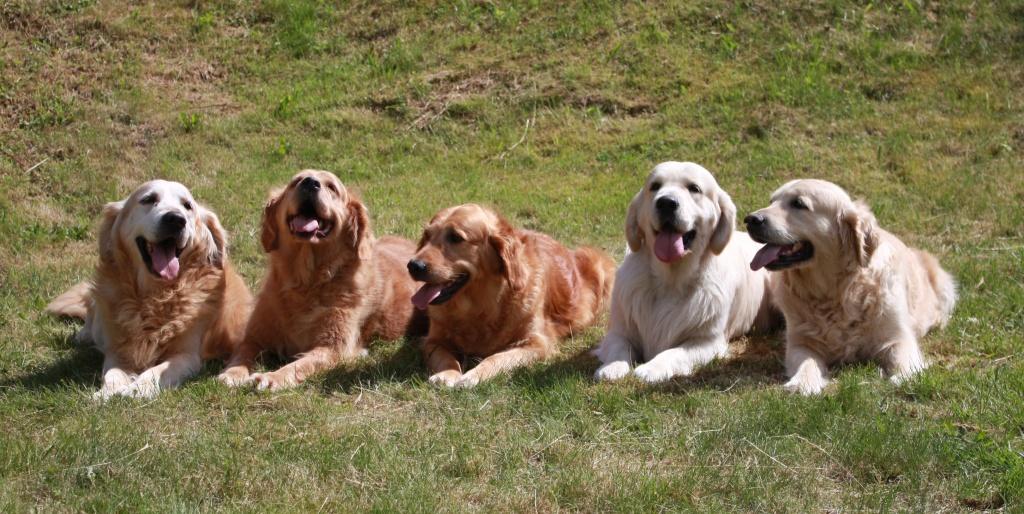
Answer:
(655, 186)
(187, 204)
(454, 238)
(693, 188)
(798, 203)
(333, 188)
(148, 199)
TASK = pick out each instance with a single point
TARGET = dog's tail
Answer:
(597, 269)
(74, 303)
(943, 284)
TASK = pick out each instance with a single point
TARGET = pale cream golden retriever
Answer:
(331, 286)
(685, 289)
(163, 296)
(500, 294)
(850, 291)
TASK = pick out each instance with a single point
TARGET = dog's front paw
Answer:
(235, 377)
(447, 378)
(145, 388)
(615, 370)
(273, 381)
(653, 373)
(114, 384)
(807, 386)
(908, 371)
(468, 380)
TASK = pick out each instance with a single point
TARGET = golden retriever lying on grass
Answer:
(850, 291)
(685, 290)
(163, 296)
(331, 287)
(501, 294)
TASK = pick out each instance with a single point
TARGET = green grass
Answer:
(553, 113)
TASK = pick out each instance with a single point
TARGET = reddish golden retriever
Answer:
(501, 294)
(163, 297)
(331, 287)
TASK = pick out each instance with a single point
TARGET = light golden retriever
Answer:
(501, 294)
(685, 289)
(331, 286)
(850, 291)
(163, 297)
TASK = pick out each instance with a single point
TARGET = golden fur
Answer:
(849, 290)
(522, 292)
(154, 331)
(328, 292)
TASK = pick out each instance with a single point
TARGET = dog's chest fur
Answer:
(665, 315)
(146, 325)
(841, 324)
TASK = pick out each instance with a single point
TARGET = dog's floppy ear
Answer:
(357, 225)
(634, 236)
(859, 232)
(268, 234)
(217, 239)
(726, 223)
(107, 239)
(508, 248)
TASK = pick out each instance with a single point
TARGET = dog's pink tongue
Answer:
(669, 247)
(165, 262)
(425, 295)
(304, 225)
(765, 256)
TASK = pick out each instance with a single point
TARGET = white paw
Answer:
(806, 386)
(114, 385)
(235, 377)
(273, 381)
(908, 371)
(468, 380)
(446, 378)
(653, 373)
(615, 370)
(145, 388)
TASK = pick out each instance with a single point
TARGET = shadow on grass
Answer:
(394, 362)
(80, 367)
(757, 363)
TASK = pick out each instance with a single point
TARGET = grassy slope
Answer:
(552, 114)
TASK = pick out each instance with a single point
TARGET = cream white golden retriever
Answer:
(850, 291)
(685, 289)
(163, 296)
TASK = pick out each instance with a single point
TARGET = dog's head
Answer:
(809, 221)
(159, 227)
(315, 209)
(680, 211)
(460, 245)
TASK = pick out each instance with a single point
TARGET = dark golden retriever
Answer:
(501, 294)
(331, 286)
(163, 297)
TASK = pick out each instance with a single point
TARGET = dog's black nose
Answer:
(754, 220)
(310, 184)
(666, 204)
(173, 221)
(417, 268)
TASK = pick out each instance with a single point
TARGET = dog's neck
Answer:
(466, 304)
(683, 272)
(306, 265)
(823, 281)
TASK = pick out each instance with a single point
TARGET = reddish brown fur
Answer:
(324, 302)
(526, 291)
